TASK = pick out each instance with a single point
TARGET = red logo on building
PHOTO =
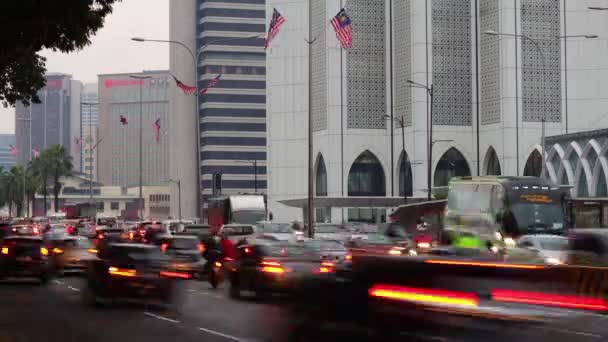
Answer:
(121, 83)
(53, 84)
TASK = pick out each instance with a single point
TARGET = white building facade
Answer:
(491, 93)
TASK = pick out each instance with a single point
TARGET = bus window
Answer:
(470, 198)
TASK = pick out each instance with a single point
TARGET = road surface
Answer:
(54, 312)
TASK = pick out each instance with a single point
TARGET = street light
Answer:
(195, 59)
(565, 38)
(542, 56)
(429, 131)
(141, 78)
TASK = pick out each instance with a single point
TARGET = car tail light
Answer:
(36, 230)
(121, 272)
(92, 250)
(538, 298)
(100, 236)
(201, 248)
(44, 251)
(163, 247)
(395, 251)
(5, 250)
(175, 275)
(57, 250)
(423, 296)
(272, 267)
(131, 235)
(348, 257)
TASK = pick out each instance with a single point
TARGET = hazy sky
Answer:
(111, 50)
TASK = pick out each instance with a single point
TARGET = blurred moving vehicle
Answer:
(270, 267)
(279, 231)
(239, 233)
(129, 272)
(379, 244)
(71, 254)
(24, 256)
(147, 232)
(588, 247)
(552, 248)
(106, 235)
(330, 231)
(25, 230)
(185, 253)
(176, 226)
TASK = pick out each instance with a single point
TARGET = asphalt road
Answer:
(29, 312)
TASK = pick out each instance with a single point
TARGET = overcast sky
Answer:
(111, 50)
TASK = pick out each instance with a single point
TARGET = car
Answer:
(25, 229)
(279, 231)
(185, 253)
(25, 256)
(588, 247)
(129, 272)
(107, 235)
(379, 244)
(267, 267)
(331, 231)
(552, 248)
(239, 233)
(146, 231)
(71, 254)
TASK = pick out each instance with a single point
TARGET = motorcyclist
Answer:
(227, 246)
(213, 250)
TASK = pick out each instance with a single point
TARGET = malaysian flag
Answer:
(343, 28)
(156, 127)
(273, 28)
(211, 84)
(13, 150)
(188, 90)
(123, 120)
(35, 153)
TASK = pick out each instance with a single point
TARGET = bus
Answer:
(501, 209)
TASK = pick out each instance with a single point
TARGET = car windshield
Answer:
(183, 243)
(282, 228)
(553, 243)
(327, 229)
(324, 245)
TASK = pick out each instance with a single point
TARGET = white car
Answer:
(552, 248)
(279, 231)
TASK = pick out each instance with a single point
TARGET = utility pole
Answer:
(310, 205)
(141, 79)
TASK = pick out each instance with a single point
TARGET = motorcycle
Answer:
(218, 271)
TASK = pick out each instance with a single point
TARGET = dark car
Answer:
(379, 244)
(24, 256)
(129, 272)
(184, 252)
(107, 235)
(71, 254)
(271, 267)
(588, 247)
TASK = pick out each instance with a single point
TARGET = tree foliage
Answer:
(59, 163)
(28, 26)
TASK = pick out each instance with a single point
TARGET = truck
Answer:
(245, 209)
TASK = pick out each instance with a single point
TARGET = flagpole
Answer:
(310, 204)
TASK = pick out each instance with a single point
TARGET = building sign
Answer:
(68, 190)
(53, 84)
(121, 83)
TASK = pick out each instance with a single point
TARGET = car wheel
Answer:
(43, 279)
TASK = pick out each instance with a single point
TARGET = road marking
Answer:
(217, 296)
(73, 288)
(578, 333)
(58, 282)
(191, 290)
(230, 337)
(162, 318)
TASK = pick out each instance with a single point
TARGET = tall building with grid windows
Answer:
(118, 151)
(226, 37)
(497, 69)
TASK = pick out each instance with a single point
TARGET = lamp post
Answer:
(429, 132)
(195, 59)
(565, 38)
(401, 122)
(141, 79)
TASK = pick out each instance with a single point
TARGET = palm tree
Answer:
(32, 184)
(40, 170)
(59, 165)
(13, 185)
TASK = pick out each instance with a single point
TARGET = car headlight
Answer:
(553, 261)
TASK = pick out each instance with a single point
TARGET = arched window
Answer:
(320, 177)
(366, 176)
(492, 163)
(534, 164)
(582, 189)
(602, 188)
(451, 164)
(405, 176)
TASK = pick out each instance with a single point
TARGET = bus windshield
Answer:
(535, 213)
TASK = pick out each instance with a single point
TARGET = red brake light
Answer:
(247, 250)
(564, 301)
(272, 267)
(163, 247)
(424, 296)
(200, 247)
(348, 257)
(175, 275)
(36, 230)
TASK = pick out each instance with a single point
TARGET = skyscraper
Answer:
(52, 121)
(232, 115)
(118, 152)
(89, 129)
